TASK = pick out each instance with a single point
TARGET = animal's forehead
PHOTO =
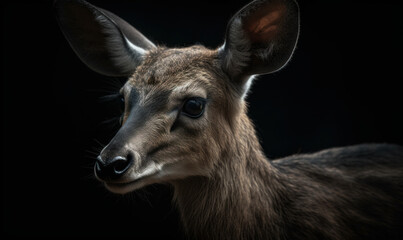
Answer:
(171, 66)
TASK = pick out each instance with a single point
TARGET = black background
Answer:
(343, 86)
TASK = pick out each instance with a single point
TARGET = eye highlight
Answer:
(194, 107)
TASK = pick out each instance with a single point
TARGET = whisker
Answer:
(104, 91)
(113, 82)
(100, 144)
(91, 152)
(110, 97)
(113, 121)
(93, 158)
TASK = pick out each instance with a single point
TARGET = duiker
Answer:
(185, 123)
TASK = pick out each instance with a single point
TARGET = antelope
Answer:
(185, 123)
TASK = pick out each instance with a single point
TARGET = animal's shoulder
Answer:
(350, 188)
(356, 156)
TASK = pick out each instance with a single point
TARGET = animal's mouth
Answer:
(126, 187)
(133, 179)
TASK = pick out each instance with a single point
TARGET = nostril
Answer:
(112, 169)
(120, 165)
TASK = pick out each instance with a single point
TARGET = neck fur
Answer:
(239, 196)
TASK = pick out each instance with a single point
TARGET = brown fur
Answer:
(242, 195)
(225, 188)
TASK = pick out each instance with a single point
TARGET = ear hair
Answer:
(237, 59)
(260, 39)
(123, 53)
(105, 42)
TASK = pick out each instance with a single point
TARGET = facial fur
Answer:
(170, 144)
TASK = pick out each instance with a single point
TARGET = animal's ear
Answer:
(260, 38)
(102, 40)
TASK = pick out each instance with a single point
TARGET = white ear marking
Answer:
(135, 48)
(247, 86)
(125, 54)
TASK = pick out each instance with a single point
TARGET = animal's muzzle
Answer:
(114, 168)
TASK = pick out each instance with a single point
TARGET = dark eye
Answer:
(194, 107)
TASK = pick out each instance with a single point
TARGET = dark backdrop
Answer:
(343, 86)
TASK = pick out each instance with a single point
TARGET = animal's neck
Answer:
(239, 196)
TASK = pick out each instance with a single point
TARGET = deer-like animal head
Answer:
(183, 106)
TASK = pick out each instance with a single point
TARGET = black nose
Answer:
(113, 169)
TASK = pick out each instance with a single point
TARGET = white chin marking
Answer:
(136, 180)
(153, 173)
(123, 188)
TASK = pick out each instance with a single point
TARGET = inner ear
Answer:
(264, 23)
(260, 39)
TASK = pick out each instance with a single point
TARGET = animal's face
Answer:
(174, 110)
(182, 106)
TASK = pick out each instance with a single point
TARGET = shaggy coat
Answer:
(185, 123)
